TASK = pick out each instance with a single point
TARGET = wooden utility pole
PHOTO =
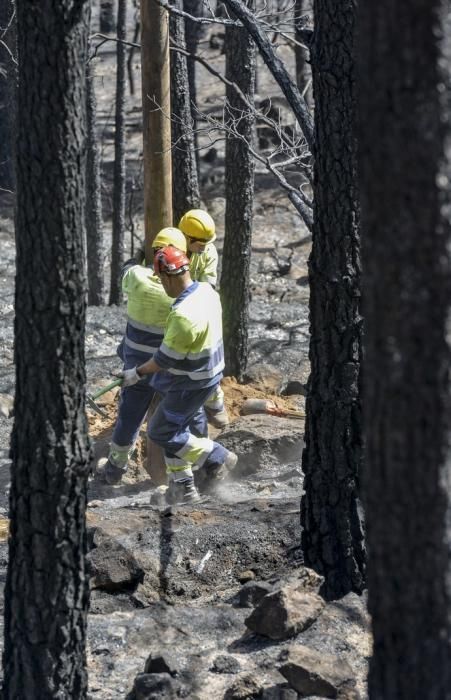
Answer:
(156, 97)
(156, 120)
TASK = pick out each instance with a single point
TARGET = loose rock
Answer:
(163, 663)
(245, 576)
(244, 688)
(261, 441)
(112, 567)
(311, 672)
(294, 387)
(6, 405)
(154, 686)
(279, 692)
(252, 592)
(267, 376)
(225, 664)
(284, 613)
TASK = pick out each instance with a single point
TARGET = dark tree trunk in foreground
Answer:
(239, 166)
(107, 16)
(405, 176)
(117, 245)
(94, 232)
(8, 73)
(46, 596)
(332, 535)
(185, 186)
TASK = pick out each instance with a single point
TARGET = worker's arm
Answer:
(135, 374)
(149, 367)
(210, 270)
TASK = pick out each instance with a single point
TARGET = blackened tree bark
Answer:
(46, 588)
(117, 249)
(193, 33)
(332, 537)
(405, 173)
(94, 224)
(8, 76)
(185, 186)
(239, 166)
(107, 18)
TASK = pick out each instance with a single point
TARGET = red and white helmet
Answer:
(171, 261)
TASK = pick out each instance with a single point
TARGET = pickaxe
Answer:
(91, 399)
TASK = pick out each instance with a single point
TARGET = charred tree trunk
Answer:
(239, 166)
(193, 32)
(107, 18)
(332, 535)
(8, 77)
(405, 173)
(46, 595)
(185, 186)
(94, 224)
(117, 246)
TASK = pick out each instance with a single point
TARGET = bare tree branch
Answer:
(277, 68)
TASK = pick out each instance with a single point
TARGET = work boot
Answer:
(217, 471)
(183, 491)
(218, 419)
(109, 472)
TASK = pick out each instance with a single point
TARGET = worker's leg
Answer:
(170, 428)
(133, 406)
(215, 409)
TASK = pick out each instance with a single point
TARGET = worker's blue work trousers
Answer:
(179, 426)
(134, 403)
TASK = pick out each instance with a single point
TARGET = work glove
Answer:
(129, 377)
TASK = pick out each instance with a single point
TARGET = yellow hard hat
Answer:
(198, 224)
(170, 236)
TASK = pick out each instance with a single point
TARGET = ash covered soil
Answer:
(177, 584)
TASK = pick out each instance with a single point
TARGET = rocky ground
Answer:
(208, 602)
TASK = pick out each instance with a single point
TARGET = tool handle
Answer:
(284, 413)
(108, 387)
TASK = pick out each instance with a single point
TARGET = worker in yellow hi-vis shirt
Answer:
(148, 307)
(186, 370)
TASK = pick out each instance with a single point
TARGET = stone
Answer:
(263, 441)
(245, 576)
(103, 603)
(144, 595)
(252, 592)
(294, 387)
(290, 474)
(279, 692)
(266, 376)
(244, 688)
(285, 612)
(165, 662)
(6, 405)
(154, 686)
(112, 567)
(158, 497)
(225, 664)
(302, 579)
(311, 672)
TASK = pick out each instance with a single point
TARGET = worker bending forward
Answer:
(187, 369)
(148, 307)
